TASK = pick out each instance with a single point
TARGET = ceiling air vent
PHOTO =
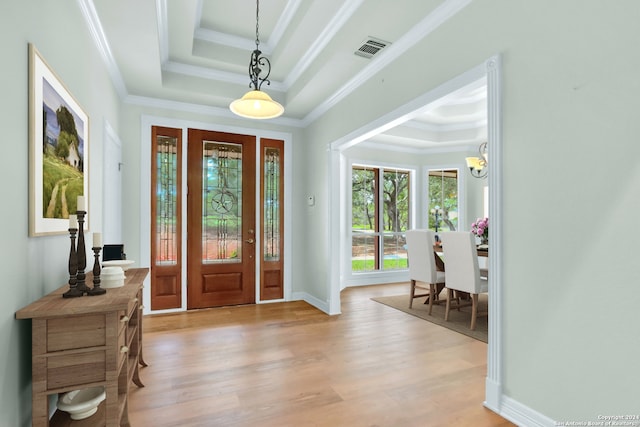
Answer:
(370, 46)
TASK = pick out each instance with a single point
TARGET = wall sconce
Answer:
(479, 166)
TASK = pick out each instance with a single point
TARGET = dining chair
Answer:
(463, 272)
(422, 265)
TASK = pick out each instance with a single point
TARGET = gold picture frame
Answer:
(58, 151)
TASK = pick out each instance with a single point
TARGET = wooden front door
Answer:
(221, 219)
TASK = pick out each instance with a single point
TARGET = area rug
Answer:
(459, 321)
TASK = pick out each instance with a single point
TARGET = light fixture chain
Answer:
(258, 63)
(257, 17)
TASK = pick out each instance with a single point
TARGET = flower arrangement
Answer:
(480, 228)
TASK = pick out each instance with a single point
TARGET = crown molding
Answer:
(438, 148)
(163, 30)
(211, 74)
(452, 127)
(266, 46)
(230, 40)
(97, 33)
(338, 21)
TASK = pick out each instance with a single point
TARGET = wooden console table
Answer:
(85, 342)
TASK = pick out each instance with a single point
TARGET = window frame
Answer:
(365, 277)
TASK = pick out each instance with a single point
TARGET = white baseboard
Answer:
(522, 415)
(365, 279)
(319, 304)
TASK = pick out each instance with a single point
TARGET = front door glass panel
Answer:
(166, 252)
(221, 203)
(272, 196)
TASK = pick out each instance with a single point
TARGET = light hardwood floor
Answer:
(289, 364)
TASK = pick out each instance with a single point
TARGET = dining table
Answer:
(483, 251)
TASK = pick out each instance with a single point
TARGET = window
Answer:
(380, 216)
(443, 199)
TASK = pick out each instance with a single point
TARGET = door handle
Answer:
(251, 241)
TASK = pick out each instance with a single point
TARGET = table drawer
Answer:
(74, 369)
(74, 332)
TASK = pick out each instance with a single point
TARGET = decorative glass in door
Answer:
(221, 203)
(166, 202)
(272, 207)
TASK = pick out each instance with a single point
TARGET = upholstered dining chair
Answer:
(422, 265)
(463, 272)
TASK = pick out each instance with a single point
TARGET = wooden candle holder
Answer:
(97, 290)
(82, 254)
(73, 268)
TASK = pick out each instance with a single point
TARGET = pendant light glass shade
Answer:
(256, 104)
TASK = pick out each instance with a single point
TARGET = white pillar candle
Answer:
(81, 203)
(73, 221)
(97, 240)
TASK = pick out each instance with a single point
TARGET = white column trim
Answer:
(493, 383)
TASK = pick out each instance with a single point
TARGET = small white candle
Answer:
(97, 240)
(81, 203)
(73, 221)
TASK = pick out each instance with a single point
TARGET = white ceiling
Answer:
(195, 53)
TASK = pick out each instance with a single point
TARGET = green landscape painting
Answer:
(62, 156)
(58, 151)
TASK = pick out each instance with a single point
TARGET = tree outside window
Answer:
(380, 216)
(443, 200)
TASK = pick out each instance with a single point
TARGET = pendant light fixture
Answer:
(479, 166)
(257, 104)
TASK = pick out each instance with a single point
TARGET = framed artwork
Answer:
(58, 151)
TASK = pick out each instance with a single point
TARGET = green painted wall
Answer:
(32, 267)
